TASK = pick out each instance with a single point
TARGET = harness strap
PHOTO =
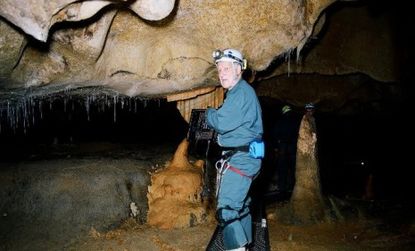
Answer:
(222, 222)
(236, 148)
(236, 170)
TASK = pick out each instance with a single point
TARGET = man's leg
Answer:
(233, 211)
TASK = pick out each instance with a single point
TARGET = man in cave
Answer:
(238, 123)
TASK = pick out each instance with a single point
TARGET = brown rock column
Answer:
(307, 205)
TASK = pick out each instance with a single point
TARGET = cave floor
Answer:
(358, 235)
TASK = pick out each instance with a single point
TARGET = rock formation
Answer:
(307, 201)
(165, 49)
(306, 205)
(174, 196)
(297, 49)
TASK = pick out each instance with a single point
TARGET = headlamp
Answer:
(218, 54)
(309, 106)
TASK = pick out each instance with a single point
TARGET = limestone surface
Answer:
(144, 48)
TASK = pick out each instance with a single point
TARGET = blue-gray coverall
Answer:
(238, 122)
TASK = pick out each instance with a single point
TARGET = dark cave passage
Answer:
(72, 120)
(352, 147)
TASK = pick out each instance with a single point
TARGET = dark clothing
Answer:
(284, 142)
(286, 129)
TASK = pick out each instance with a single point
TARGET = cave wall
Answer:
(360, 60)
(83, 44)
(118, 48)
(360, 38)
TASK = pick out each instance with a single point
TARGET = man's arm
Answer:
(226, 118)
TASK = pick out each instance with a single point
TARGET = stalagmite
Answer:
(174, 196)
(307, 204)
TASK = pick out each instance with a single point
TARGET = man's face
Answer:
(229, 73)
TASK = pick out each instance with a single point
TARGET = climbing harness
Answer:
(260, 230)
(221, 167)
(256, 149)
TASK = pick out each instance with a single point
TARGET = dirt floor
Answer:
(356, 235)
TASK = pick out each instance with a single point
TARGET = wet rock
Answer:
(57, 200)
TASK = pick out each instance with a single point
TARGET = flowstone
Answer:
(174, 196)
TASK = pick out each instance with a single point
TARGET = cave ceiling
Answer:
(155, 48)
